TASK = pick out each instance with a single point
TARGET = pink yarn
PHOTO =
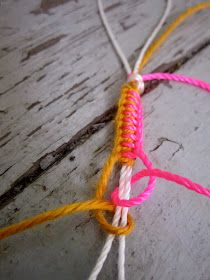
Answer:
(177, 78)
(187, 183)
(138, 149)
(136, 134)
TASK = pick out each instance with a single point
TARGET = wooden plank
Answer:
(57, 65)
(171, 239)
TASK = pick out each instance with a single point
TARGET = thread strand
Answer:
(179, 20)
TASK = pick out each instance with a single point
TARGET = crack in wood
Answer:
(41, 78)
(75, 168)
(34, 131)
(50, 159)
(165, 139)
(72, 89)
(47, 5)
(95, 172)
(55, 99)
(3, 111)
(32, 105)
(127, 27)
(181, 147)
(43, 46)
(105, 80)
(5, 136)
(44, 66)
(110, 85)
(16, 84)
(175, 65)
(1, 174)
(85, 133)
(111, 7)
(63, 76)
(101, 149)
(79, 99)
(161, 140)
(68, 116)
(6, 142)
(84, 223)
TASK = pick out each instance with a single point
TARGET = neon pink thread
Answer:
(135, 125)
(187, 183)
(137, 128)
(132, 123)
(177, 78)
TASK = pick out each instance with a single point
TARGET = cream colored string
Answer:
(126, 171)
(124, 184)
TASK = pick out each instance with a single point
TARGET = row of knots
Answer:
(129, 128)
(127, 147)
(127, 144)
(129, 136)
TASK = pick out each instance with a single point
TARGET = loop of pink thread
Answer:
(187, 183)
(138, 150)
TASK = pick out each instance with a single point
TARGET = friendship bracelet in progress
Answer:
(128, 146)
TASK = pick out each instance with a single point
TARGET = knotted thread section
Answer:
(128, 139)
(99, 204)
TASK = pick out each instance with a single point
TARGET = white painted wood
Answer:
(59, 61)
(171, 238)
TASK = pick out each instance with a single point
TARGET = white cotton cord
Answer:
(126, 173)
(106, 248)
(152, 36)
(124, 193)
(147, 44)
(113, 39)
(124, 190)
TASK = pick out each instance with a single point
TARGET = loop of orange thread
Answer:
(68, 209)
(170, 29)
(112, 229)
(101, 188)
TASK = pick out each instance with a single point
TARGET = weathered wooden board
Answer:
(57, 63)
(73, 107)
(171, 239)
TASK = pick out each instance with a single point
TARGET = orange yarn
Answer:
(116, 156)
(120, 130)
(98, 204)
(157, 43)
(93, 204)
(112, 229)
